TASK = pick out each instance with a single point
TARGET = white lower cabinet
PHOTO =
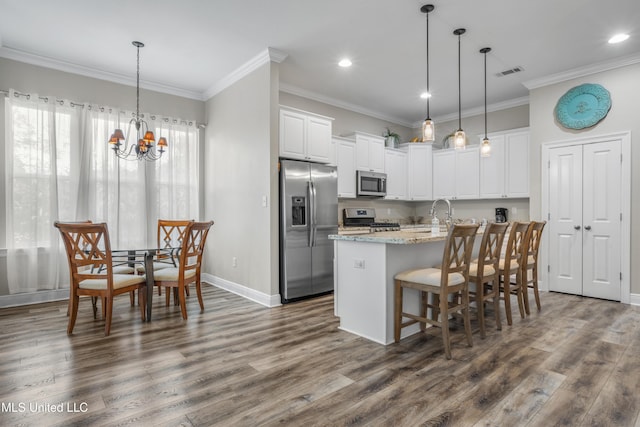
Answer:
(395, 164)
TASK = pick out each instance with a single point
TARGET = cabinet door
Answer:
(362, 152)
(346, 159)
(467, 172)
(396, 169)
(444, 175)
(292, 134)
(517, 165)
(318, 139)
(376, 154)
(419, 178)
(492, 170)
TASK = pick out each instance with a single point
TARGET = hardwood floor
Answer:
(241, 364)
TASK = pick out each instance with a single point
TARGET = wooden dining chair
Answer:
(188, 270)
(510, 270)
(87, 246)
(170, 235)
(530, 267)
(483, 274)
(452, 280)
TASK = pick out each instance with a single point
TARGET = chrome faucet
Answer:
(432, 212)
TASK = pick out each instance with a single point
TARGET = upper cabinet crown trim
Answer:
(308, 113)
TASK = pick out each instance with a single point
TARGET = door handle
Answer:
(577, 227)
(587, 227)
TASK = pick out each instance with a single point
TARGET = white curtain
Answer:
(60, 167)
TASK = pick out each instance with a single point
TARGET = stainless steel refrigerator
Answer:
(308, 215)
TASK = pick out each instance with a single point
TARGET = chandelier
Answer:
(143, 148)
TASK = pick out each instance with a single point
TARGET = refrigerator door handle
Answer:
(314, 219)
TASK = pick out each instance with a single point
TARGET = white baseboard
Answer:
(33, 298)
(634, 299)
(243, 291)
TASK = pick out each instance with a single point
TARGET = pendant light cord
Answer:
(428, 91)
(459, 88)
(485, 95)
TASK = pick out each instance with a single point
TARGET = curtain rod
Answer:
(75, 104)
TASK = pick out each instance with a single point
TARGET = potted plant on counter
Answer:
(392, 139)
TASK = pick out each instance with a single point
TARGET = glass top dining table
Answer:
(146, 258)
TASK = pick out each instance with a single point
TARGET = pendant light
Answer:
(485, 148)
(428, 129)
(459, 138)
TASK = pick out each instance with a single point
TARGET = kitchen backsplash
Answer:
(402, 212)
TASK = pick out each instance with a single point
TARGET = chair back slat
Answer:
(87, 245)
(195, 237)
(491, 245)
(517, 243)
(457, 250)
(534, 238)
(171, 233)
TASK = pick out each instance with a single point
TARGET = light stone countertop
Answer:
(406, 236)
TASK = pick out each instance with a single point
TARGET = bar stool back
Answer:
(483, 273)
(531, 264)
(451, 280)
(511, 264)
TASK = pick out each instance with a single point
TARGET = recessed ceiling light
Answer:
(345, 63)
(618, 38)
(425, 95)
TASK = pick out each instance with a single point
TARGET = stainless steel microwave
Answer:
(371, 184)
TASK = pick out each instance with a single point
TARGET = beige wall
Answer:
(624, 86)
(241, 152)
(48, 82)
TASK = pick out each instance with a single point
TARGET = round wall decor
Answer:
(583, 106)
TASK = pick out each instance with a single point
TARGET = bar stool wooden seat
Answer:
(530, 268)
(451, 280)
(483, 273)
(510, 265)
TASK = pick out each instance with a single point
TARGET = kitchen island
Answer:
(364, 267)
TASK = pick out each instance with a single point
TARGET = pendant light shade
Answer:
(428, 129)
(459, 138)
(485, 148)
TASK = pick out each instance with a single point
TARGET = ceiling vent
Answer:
(510, 71)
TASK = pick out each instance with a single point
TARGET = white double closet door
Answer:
(585, 219)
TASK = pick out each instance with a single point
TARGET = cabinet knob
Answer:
(577, 227)
(587, 227)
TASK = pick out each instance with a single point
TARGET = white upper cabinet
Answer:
(395, 163)
(346, 163)
(505, 173)
(305, 136)
(369, 152)
(419, 176)
(455, 173)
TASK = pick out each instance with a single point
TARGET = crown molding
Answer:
(575, 73)
(68, 67)
(268, 55)
(476, 111)
(294, 90)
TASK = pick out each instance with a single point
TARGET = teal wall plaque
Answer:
(583, 106)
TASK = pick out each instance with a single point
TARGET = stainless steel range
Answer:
(365, 217)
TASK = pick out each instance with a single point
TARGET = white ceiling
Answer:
(192, 45)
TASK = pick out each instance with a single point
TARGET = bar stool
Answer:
(511, 264)
(483, 273)
(531, 264)
(451, 280)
